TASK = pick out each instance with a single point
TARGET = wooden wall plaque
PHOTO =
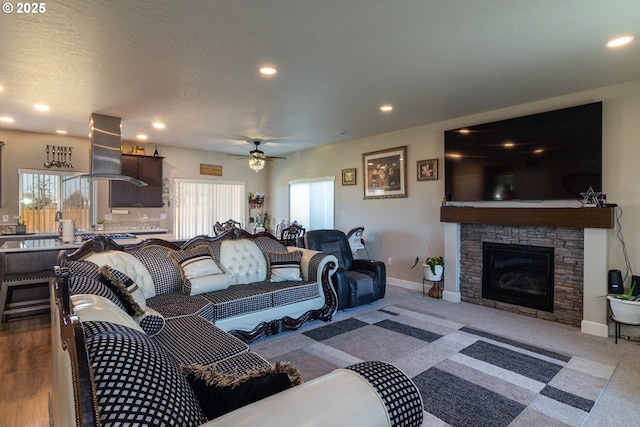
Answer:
(215, 170)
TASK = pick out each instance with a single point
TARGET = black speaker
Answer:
(615, 282)
(635, 279)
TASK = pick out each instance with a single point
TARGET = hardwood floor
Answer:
(25, 372)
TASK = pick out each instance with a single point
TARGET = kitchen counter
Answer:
(52, 243)
(28, 261)
(32, 236)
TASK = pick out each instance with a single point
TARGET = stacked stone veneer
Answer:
(568, 269)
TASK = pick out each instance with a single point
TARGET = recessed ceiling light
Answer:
(508, 144)
(268, 71)
(41, 107)
(386, 108)
(61, 132)
(6, 119)
(620, 41)
(159, 125)
(141, 136)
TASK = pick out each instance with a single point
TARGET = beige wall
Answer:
(402, 229)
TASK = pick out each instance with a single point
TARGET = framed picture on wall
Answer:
(349, 176)
(427, 170)
(385, 173)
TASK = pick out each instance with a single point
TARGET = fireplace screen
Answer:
(518, 274)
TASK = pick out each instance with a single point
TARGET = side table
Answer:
(617, 326)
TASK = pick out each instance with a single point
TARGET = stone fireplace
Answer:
(577, 235)
(566, 293)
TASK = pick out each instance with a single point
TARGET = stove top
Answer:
(114, 236)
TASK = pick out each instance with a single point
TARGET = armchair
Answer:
(356, 281)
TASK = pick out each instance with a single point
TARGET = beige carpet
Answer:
(467, 377)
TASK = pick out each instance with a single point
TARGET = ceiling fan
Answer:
(256, 152)
(257, 156)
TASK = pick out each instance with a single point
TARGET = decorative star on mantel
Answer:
(591, 197)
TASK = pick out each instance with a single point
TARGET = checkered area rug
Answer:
(466, 377)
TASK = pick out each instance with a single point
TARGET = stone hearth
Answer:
(568, 271)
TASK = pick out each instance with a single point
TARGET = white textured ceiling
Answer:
(193, 64)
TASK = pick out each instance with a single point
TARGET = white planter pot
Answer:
(625, 311)
(428, 275)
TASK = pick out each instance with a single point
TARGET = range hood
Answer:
(106, 141)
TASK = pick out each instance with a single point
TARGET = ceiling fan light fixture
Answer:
(256, 163)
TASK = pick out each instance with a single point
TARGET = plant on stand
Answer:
(626, 306)
(433, 268)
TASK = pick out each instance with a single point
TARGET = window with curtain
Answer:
(200, 203)
(43, 193)
(311, 202)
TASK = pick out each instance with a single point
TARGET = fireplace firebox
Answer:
(518, 274)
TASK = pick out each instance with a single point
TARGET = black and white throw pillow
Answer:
(200, 271)
(137, 381)
(125, 288)
(284, 266)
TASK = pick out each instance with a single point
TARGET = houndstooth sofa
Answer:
(119, 354)
(245, 299)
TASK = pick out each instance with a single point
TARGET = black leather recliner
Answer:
(356, 281)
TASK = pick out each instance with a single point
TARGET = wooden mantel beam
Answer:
(540, 217)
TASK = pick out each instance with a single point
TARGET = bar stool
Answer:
(16, 281)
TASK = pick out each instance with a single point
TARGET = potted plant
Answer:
(21, 228)
(433, 268)
(626, 306)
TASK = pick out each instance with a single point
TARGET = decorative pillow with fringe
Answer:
(125, 288)
(219, 393)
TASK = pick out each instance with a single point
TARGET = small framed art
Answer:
(349, 176)
(427, 170)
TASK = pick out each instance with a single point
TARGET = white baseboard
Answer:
(587, 327)
(451, 296)
(593, 328)
(404, 284)
(446, 295)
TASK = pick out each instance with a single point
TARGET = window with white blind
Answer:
(311, 202)
(200, 203)
(43, 193)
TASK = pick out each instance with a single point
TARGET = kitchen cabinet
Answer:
(145, 168)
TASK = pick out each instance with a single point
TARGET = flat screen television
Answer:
(555, 155)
